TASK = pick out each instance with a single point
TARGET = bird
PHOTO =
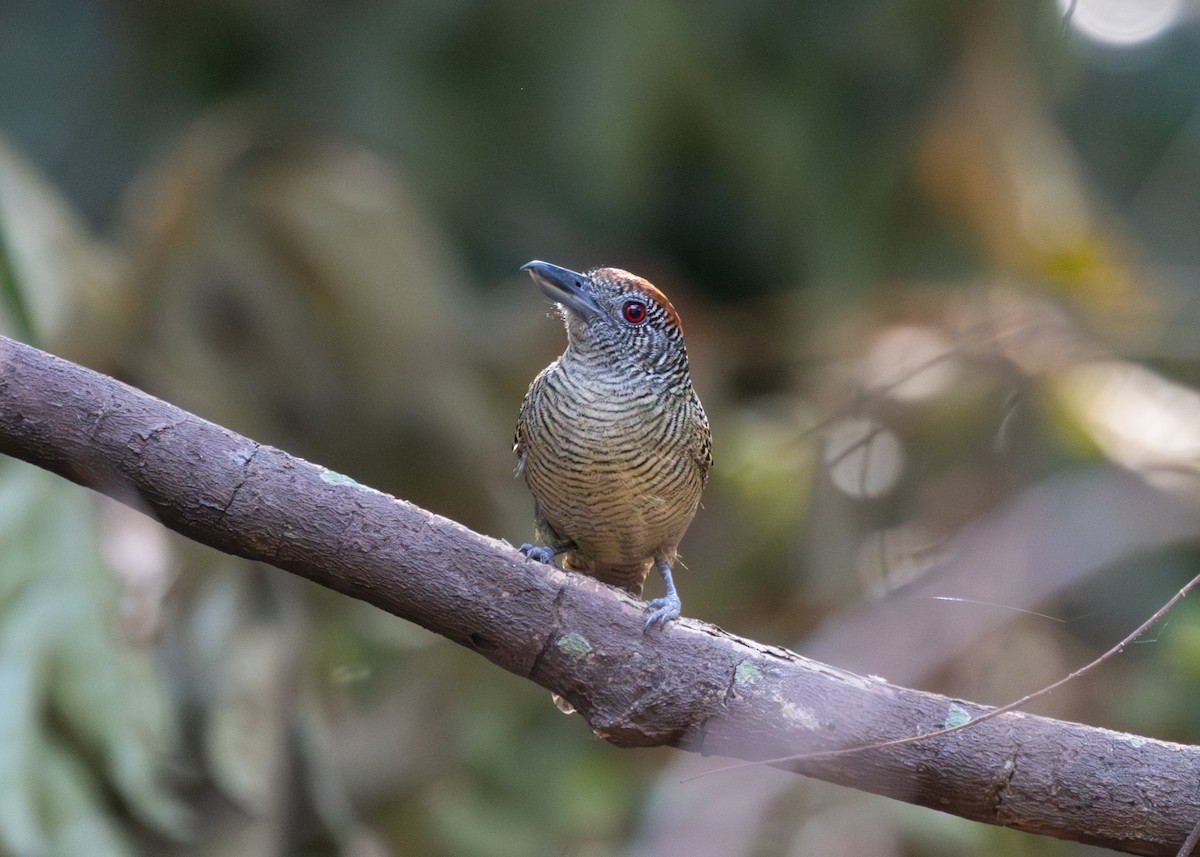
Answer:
(611, 438)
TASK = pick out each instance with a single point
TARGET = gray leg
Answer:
(663, 610)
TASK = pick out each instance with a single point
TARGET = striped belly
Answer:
(609, 471)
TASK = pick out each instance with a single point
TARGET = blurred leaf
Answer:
(23, 627)
(1138, 418)
(53, 274)
(1182, 639)
(117, 710)
(248, 723)
(76, 699)
(12, 295)
(76, 813)
(768, 465)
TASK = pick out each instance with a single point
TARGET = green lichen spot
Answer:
(335, 478)
(1136, 741)
(574, 645)
(956, 716)
(746, 674)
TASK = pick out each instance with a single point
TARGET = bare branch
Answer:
(693, 686)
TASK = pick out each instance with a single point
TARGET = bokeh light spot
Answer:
(1121, 22)
(865, 459)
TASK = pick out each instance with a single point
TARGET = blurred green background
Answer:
(937, 264)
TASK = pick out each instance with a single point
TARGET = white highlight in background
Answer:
(1122, 22)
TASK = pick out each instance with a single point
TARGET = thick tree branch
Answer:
(695, 686)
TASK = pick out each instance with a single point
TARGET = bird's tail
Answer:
(631, 578)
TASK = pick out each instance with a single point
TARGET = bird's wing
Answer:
(519, 447)
(520, 436)
(702, 438)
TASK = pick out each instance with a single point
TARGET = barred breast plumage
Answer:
(611, 438)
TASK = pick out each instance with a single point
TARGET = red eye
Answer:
(634, 312)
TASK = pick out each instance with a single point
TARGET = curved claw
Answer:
(540, 553)
(660, 611)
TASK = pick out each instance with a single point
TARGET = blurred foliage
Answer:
(933, 257)
(70, 690)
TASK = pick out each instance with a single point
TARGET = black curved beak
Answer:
(565, 286)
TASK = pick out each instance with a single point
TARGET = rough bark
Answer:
(693, 686)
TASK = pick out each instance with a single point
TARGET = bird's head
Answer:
(615, 314)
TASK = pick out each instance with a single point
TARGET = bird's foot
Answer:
(660, 611)
(541, 553)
